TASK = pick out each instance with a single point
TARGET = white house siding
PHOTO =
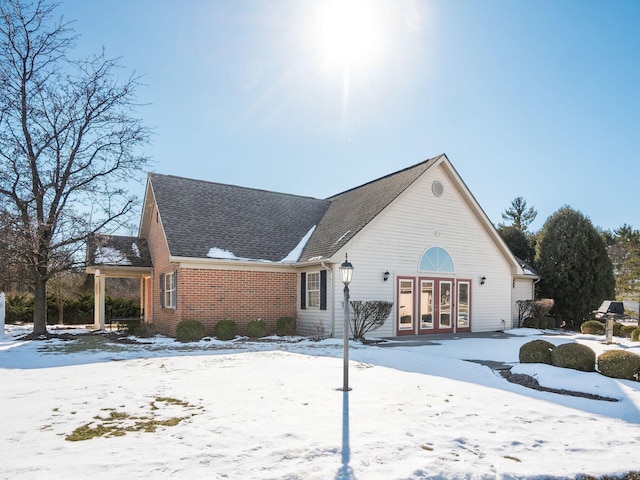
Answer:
(522, 290)
(398, 237)
(312, 321)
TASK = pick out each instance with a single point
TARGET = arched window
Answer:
(436, 259)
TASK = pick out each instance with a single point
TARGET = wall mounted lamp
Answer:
(385, 275)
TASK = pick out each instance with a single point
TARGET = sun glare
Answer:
(350, 33)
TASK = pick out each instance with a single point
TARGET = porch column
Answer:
(98, 308)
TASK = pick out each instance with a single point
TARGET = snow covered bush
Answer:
(257, 328)
(189, 331)
(575, 356)
(537, 351)
(225, 330)
(619, 364)
(285, 326)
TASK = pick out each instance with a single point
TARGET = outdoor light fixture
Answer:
(346, 272)
(386, 276)
(482, 280)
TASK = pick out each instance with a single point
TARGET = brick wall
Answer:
(212, 295)
(164, 319)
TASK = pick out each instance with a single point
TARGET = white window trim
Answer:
(169, 290)
(316, 278)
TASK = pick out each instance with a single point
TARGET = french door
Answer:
(433, 305)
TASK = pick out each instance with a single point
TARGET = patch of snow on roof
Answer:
(222, 254)
(215, 252)
(135, 249)
(110, 256)
(294, 254)
(344, 235)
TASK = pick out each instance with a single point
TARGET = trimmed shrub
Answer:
(141, 329)
(593, 327)
(575, 356)
(619, 364)
(285, 326)
(225, 330)
(626, 330)
(546, 322)
(617, 327)
(530, 322)
(537, 351)
(635, 335)
(257, 328)
(189, 331)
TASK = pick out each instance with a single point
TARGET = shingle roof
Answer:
(117, 250)
(249, 223)
(352, 210)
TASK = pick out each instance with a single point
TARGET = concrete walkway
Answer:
(419, 340)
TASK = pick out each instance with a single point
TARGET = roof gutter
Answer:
(229, 264)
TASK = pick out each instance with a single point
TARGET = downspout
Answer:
(533, 289)
(333, 303)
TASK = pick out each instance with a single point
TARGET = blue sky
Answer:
(539, 99)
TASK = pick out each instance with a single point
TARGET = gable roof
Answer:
(352, 210)
(236, 222)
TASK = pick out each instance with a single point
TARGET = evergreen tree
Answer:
(624, 252)
(573, 263)
(519, 215)
(518, 242)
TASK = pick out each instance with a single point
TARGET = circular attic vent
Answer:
(437, 188)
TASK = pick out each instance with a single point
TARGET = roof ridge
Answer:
(210, 182)
(332, 197)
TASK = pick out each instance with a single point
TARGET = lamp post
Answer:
(346, 272)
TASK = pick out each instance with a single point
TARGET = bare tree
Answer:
(368, 316)
(64, 287)
(67, 142)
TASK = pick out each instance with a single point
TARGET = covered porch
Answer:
(111, 256)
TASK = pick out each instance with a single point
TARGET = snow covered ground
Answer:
(271, 410)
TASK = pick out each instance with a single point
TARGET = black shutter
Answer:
(175, 289)
(323, 289)
(162, 290)
(303, 291)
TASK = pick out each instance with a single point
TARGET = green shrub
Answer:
(189, 331)
(593, 327)
(257, 328)
(285, 326)
(546, 322)
(225, 330)
(617, 327)
(626, 330)
(575, 356)
(530, 322)
(537, 351)
(635, 335)
(141, 329)
(619, 364)
(19, 308)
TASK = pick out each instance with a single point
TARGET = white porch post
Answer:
(142, 299)
(98, 306)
